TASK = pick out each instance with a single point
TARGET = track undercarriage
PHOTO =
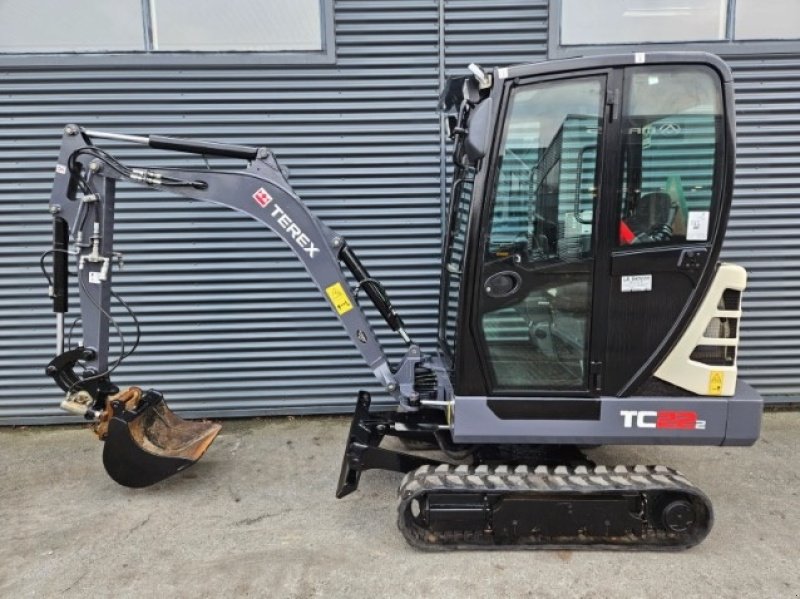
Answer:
(638, 507)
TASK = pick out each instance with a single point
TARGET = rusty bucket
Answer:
(145, 441)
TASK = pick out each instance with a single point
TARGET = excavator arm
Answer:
(82, 204)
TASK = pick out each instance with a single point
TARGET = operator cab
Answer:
(584, 231)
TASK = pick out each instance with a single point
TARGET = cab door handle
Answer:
(502, 284)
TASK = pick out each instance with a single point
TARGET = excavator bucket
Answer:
(146, 442)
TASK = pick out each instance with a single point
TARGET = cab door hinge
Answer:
(596, 376)
(612, 101)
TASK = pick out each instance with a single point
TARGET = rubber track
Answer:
(547, 480)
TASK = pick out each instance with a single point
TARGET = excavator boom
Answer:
(145, 440)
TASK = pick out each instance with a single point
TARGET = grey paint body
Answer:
(366, 152)
(727, 421)
(280, 210)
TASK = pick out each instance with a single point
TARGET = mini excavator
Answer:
(582, 304)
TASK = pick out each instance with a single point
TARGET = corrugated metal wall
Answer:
(764, 230)
(494, 33)
(231, 324)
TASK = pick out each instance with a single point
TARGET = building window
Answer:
(714, 22)
(236, 25)
(640, 21)
(759, 20)
(28, 26)
(96, 26)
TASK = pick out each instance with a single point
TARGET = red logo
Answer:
(261, 197)
(680, 420)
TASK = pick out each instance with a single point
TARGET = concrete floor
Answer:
(257, 517)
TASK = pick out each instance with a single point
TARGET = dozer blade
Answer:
(146, 442)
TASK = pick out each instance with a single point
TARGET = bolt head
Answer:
(55, 209)
(391, 387)
(337, 242)
(70, 130)
(94, 166)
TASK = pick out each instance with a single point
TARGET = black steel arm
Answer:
(178, 144)
(374, 290)
(207, 148)
(83, 197)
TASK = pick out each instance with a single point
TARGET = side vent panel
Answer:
(704, 359)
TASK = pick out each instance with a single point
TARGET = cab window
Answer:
(672, 133)
(545, 195)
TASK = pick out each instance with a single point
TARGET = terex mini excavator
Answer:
(582, 304)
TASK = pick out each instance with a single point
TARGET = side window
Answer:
(544, 202)
(672, 131)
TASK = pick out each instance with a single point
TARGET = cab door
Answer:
(671, 200)
(536, 302)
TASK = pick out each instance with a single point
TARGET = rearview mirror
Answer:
(479, 129)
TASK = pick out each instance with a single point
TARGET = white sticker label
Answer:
(697, 225)
(94, 277)
(639, 57)
(634, 283)
(61, 169)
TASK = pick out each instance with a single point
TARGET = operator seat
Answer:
(652, 210)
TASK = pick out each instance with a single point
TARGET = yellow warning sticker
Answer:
(339, 298)
(715, 381)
